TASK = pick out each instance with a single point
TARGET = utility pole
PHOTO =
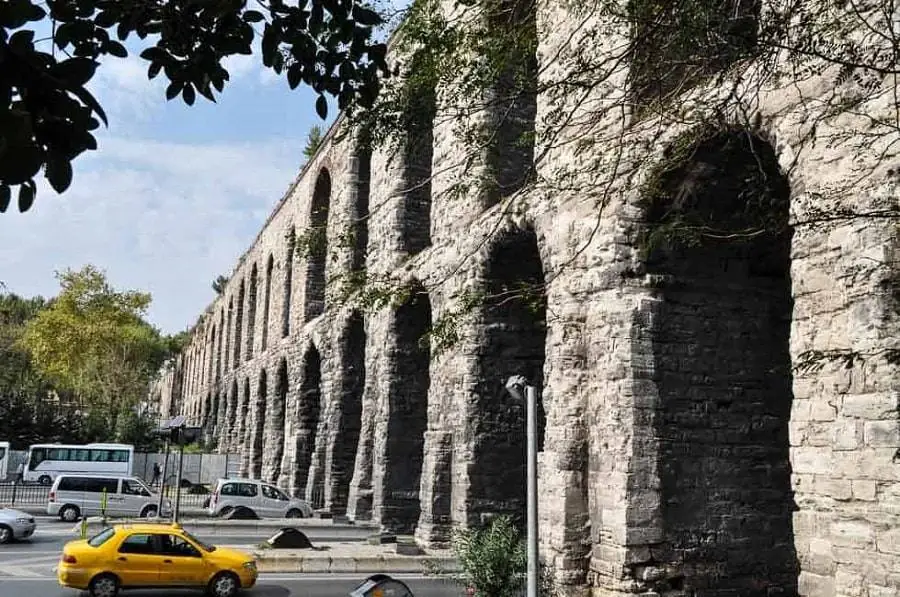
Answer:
(162, 481)
(515, 386)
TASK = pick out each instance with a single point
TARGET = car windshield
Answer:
(101, 537)
(205, 546)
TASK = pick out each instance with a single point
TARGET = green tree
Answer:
(92, 340)
(47, 115)
(493, 559)
(313, 141)
(219, 284)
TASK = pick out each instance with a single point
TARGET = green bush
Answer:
(493, 559)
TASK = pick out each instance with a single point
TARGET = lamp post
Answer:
(515, 386)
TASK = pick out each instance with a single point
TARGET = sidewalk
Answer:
(352, 558)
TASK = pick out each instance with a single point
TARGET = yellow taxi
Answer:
(128, 556)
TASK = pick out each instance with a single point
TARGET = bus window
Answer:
(100, 455)
(82, 455)
(37, 456)
(2, 453)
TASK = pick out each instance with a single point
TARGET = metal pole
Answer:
(162, 481)
(178, 481)
(532, 511)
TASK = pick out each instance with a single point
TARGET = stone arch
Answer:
(677, 44)
(270, 266)
(512, 342)
(219, 344)
(418, 153)
(275, 432)
(362, 173)
(407, 417)
(251, 311)
(239, 325)
(352, 348)
(716, 340)
(288, 282)
(228, 333)
(245, 436)
(513, 105)
(212, 354)
(317, 247)
(308, 409)
(259, 428)
(231, 424)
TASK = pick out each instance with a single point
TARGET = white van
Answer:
(266, 501)
(73, 496)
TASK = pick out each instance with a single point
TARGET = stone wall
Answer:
(685, 447)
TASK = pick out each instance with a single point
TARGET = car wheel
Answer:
(104, 585)
(294, 513)
(148, 512)
(6, 534)
(45, 480)
(69, 513)
(225, 584)
(225, 511)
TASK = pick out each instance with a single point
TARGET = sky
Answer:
(174, 194)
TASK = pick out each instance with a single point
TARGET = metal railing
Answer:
(28, 494)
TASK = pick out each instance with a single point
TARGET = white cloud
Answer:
(162, 217)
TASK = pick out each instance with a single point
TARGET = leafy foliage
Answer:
(92, 343)
(219, 284)
(313, 141)
(47, 115)
(493, 559)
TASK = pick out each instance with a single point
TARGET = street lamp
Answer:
(518, 388)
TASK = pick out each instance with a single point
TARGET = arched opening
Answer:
(308, 409)
(212, 354)
(228, 333)
(408, 412)
(418, 152)
(678, 43)
(719, 242)
(513, 106)
(512, 343)
(238, 326)
(251, 311)
(288, 283)
(270, 265)
(353, 381)
(362, 175)
(219, 345)
(245, 436)
(259, 427)
(276, 430)
(231, 424)
(317, 247)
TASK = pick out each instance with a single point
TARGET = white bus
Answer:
(46, 461)
(4, 460)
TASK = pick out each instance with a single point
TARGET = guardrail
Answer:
(28, 494)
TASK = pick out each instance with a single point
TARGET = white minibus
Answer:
(45, 462)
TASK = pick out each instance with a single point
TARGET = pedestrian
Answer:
(20, 472)
(156, 473)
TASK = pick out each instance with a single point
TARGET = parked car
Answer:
(73, 496)
(15, 524)
(264, 499)
(161, 556)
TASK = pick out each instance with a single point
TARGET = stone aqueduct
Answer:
(684, 451)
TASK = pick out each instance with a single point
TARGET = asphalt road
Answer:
(270, 585)
(27, 569)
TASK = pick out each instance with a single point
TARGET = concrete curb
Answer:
(269, 561)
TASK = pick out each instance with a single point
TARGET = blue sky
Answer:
(173, 195)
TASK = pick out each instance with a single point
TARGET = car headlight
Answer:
(250, 566)
(24, 520)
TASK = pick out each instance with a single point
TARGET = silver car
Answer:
(264, 499)
(15, 524)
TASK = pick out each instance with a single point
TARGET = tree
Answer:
(92, 340)
(48, 116)
(313, 141)
(493, 559)
(219, 284)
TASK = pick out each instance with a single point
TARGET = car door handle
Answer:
(167, 561)
(123, 559)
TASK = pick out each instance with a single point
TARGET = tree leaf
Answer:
(365, 16)
(26, 196)
(5, 196)
(58, 172)
(173, 89)
(188, 94)
(74, 72)
(252, 16)
(116, 49)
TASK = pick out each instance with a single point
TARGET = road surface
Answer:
(27, 569)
